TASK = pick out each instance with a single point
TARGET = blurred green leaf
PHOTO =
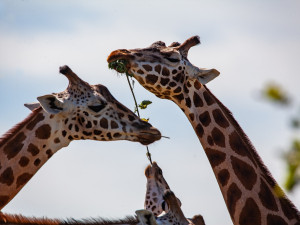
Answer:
(293, 166)
(275, 93)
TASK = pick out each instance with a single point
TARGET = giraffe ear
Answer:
(51, 104)
(206, 75)
(32, 106)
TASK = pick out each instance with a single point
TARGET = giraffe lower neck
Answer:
(252, 196)
(24, 152)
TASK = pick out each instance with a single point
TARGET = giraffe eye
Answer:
(97, 108)
(164, 206)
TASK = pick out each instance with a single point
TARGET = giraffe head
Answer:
(164, 71)
(174, 216)
(156, 187)
(91, 112)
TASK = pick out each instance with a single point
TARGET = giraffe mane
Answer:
(269, 178)
(19, 219)
(10, 133)
(102, 221)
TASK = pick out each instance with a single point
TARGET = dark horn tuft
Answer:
(185, 47)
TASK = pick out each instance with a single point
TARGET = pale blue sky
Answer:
(249, 42)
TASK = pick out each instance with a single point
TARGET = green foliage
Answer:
(144, 104)
(120, 66)
(275, 93)
(293, 166)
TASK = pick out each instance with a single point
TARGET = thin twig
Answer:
(148, 154)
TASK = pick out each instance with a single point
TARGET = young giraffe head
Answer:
(164, 71)
(174, 216)
(91, 112)
(156, 187)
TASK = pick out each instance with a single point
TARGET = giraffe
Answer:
(251, 194)
(82, 111)
(155, 189)
(155, 202)
(173, 217)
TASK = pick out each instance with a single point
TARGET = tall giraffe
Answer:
(251, 194)
(82, 111)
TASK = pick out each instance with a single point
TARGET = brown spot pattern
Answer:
(151, 79)
(147, 67)
(114, 125)
(245, 173)
(56, 140)
(233, 195)
(250, 214)
(179, 97)
(7, 177)
(210, 140)
(215, 157)
(197, 100)
(199, 130)
(266, 196)
(33, 149)
(23, 179)
(205, 118)
(157, 68)
(39, 117)
(223, 177)
(23, 161)
(165, 71)
(220, 118)
(274, 219)
(37, 162)
(209, 100)
(14, 146)
(239, 147)
(197, 85)
(192, 117)
(43, 132)
(140, 71)
(164, 81)
(218, 137)
(104, 123)
(188, 102)
(49, 153)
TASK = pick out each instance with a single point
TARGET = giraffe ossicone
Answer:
(249, 190)
(82, 111)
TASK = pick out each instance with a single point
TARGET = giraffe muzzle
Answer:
(120, 54)
(149, 136)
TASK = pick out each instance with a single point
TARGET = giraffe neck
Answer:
(19, 219)
(251, 194)
(25, 148)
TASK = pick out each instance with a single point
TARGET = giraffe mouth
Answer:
(149, 136)
(119, 60)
